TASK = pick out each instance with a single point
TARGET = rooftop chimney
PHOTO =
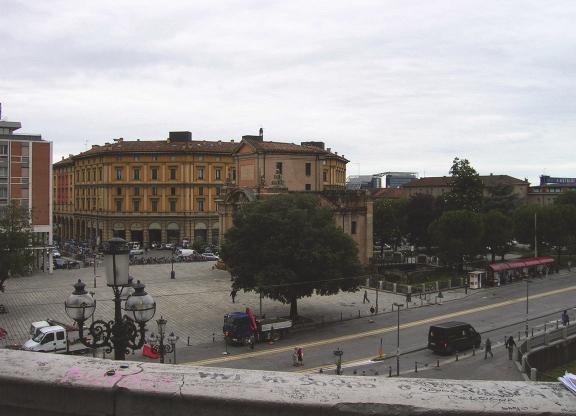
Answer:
(180, 136)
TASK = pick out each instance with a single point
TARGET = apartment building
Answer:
(25, 179)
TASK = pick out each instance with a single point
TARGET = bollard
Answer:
(340, 316)
(532, 331)
(456, 356)
(473, 350)
(358, 313)
(544, 326)
(556, 323)
(213, 338)
(415, 366)
(390, 371)
(438, 363)
(188, 341)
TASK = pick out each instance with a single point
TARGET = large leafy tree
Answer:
(467, 187)
(559, 226)
(420, 211)
(501, 197)
(458, 234)
(15, 240)
(389, 222)
(498, 232)
(524, 219)
(287, 247)
(566, 198)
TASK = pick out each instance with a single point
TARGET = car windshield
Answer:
(38, 337)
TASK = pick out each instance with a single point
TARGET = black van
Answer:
(448, 337)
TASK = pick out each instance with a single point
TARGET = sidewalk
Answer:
(470, 367)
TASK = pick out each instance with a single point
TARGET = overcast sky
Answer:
(401, 85)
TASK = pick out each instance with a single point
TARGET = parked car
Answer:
(210, 257)
(136, 251)
(449, 337)
(56, 254)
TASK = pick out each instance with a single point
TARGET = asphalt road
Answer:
(495, 313)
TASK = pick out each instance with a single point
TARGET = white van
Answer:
(186, 252)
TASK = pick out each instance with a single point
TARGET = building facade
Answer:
(25, 179)
(546, 194)
(268, 168)
(176, 189)
(145, 191)
(440, 185)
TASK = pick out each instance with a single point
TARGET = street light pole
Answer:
(157, 343)
(398, 306)
(172, 273)
(527, 282)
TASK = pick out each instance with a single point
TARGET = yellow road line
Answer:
(379, 331)
(332, 365)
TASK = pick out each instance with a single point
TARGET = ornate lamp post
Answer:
(172, 272)
(338, 353)
(157, 342)
(123, 332)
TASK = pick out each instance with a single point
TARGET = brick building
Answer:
(25, 179)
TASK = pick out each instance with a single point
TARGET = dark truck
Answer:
(240, 327)
(448, 337)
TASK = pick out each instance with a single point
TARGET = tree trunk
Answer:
(294, 308)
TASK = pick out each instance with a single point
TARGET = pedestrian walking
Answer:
(300, 353)
(510, 344)
(295, 357)
(565, 318)
(233, 295)
(365, 299)
(488, 349)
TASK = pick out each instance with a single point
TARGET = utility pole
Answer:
(535, 236)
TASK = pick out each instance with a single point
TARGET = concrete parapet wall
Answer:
(49, 385)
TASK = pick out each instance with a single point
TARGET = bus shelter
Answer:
(513, 270)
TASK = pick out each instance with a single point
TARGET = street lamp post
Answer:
(172, 273)
(121, 333)
(398, 306)
(527, 294)
(157, 342)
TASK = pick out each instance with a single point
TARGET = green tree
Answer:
(389, 222)
(287, 247)
(501, 197)
(467, 187)
(15, 240)
(458, 234)
(523, 224)
(559, 226)
(421, 210)
(498, 232)
(566, 198)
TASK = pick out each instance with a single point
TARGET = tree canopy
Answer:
(566, 198)
(467, 187)
(15, 239)
(458, 234)
(389, 222)
(287, 247)
(498, 232)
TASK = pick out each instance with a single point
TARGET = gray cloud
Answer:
(394, 85)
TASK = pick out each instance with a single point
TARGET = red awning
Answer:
(519, 264)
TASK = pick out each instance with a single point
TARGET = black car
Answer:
(449, 337)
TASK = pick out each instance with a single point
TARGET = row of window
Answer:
(172, 204)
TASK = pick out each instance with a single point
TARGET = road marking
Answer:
(379, 331)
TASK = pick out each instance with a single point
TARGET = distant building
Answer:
(267, 168)
(356, 182)
(26, 180)
(440, 185)
(380, 180)
(546, 194)
(548, 180)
